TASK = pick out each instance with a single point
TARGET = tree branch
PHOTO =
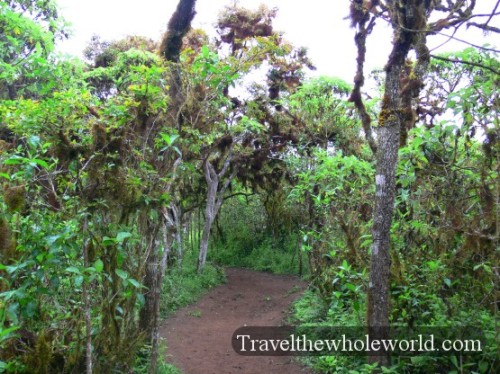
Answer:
(178, 26)
(493, 13)
(484, 27)
(469, 43)
(359, 81)
(470, 63)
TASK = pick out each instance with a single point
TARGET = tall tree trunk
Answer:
(385, 184)
(394, 114)
(215, 197)
(213, 184)
(403, 82)
(177, 214)
(162, 267)
(378, 295)
(170, 48)
(150, 277)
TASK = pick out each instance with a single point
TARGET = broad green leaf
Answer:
(98, 265)
(106, 241)
(73, 269)
(122, 274)
(122, 236)
(39, 162)
(134, 283)
(78, 281)
(351, 287)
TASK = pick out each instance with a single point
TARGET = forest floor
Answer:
(199, 336)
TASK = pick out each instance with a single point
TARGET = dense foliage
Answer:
(120, 173)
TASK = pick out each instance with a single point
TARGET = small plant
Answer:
(195, 313)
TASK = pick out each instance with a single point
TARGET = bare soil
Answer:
(199, 336)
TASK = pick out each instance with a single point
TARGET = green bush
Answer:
(263, 257)
(184, 285)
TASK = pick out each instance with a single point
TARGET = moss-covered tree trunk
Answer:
(406, 20)
(403, 82)
(215, 197)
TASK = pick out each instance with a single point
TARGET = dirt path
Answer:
(199, 336)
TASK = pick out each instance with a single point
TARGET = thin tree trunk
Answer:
(213, 184)
(177, 220)
(198, 232)
(146, 313)
(215, 197)
(155, 333)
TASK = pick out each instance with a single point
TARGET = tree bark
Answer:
(215, 197)
(178, 26)
(146, 314)
(212, 179)
(177, 216)
(396, 105)
(162, 267)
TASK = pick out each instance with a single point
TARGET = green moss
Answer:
(14, 197)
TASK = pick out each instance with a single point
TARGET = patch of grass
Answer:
(185, 286)
(143, 361)
(264, 256)
(195, 313)
(293, 290)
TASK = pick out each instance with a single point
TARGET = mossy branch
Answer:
(359, 80)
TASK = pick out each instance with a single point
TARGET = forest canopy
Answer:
(149, 161)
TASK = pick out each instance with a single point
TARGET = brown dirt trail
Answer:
(199, 336)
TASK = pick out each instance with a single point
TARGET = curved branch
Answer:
(484, 27)
(359, 80)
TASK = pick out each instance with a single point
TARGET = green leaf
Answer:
(447, 281)
(73, 269)
(98, 265)
(483, 367)
(122, 236)
(42, 163)
(78, 281)
(107, 241)
(351, 287)
(169, 139)
(14, 160)
(122, 274)
(7, 331)
(134, 283)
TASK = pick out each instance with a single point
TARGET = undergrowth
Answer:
(311, 310)
(183, 285)
(142, 362)
(264, 256)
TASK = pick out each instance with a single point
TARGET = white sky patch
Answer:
(319, 25)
